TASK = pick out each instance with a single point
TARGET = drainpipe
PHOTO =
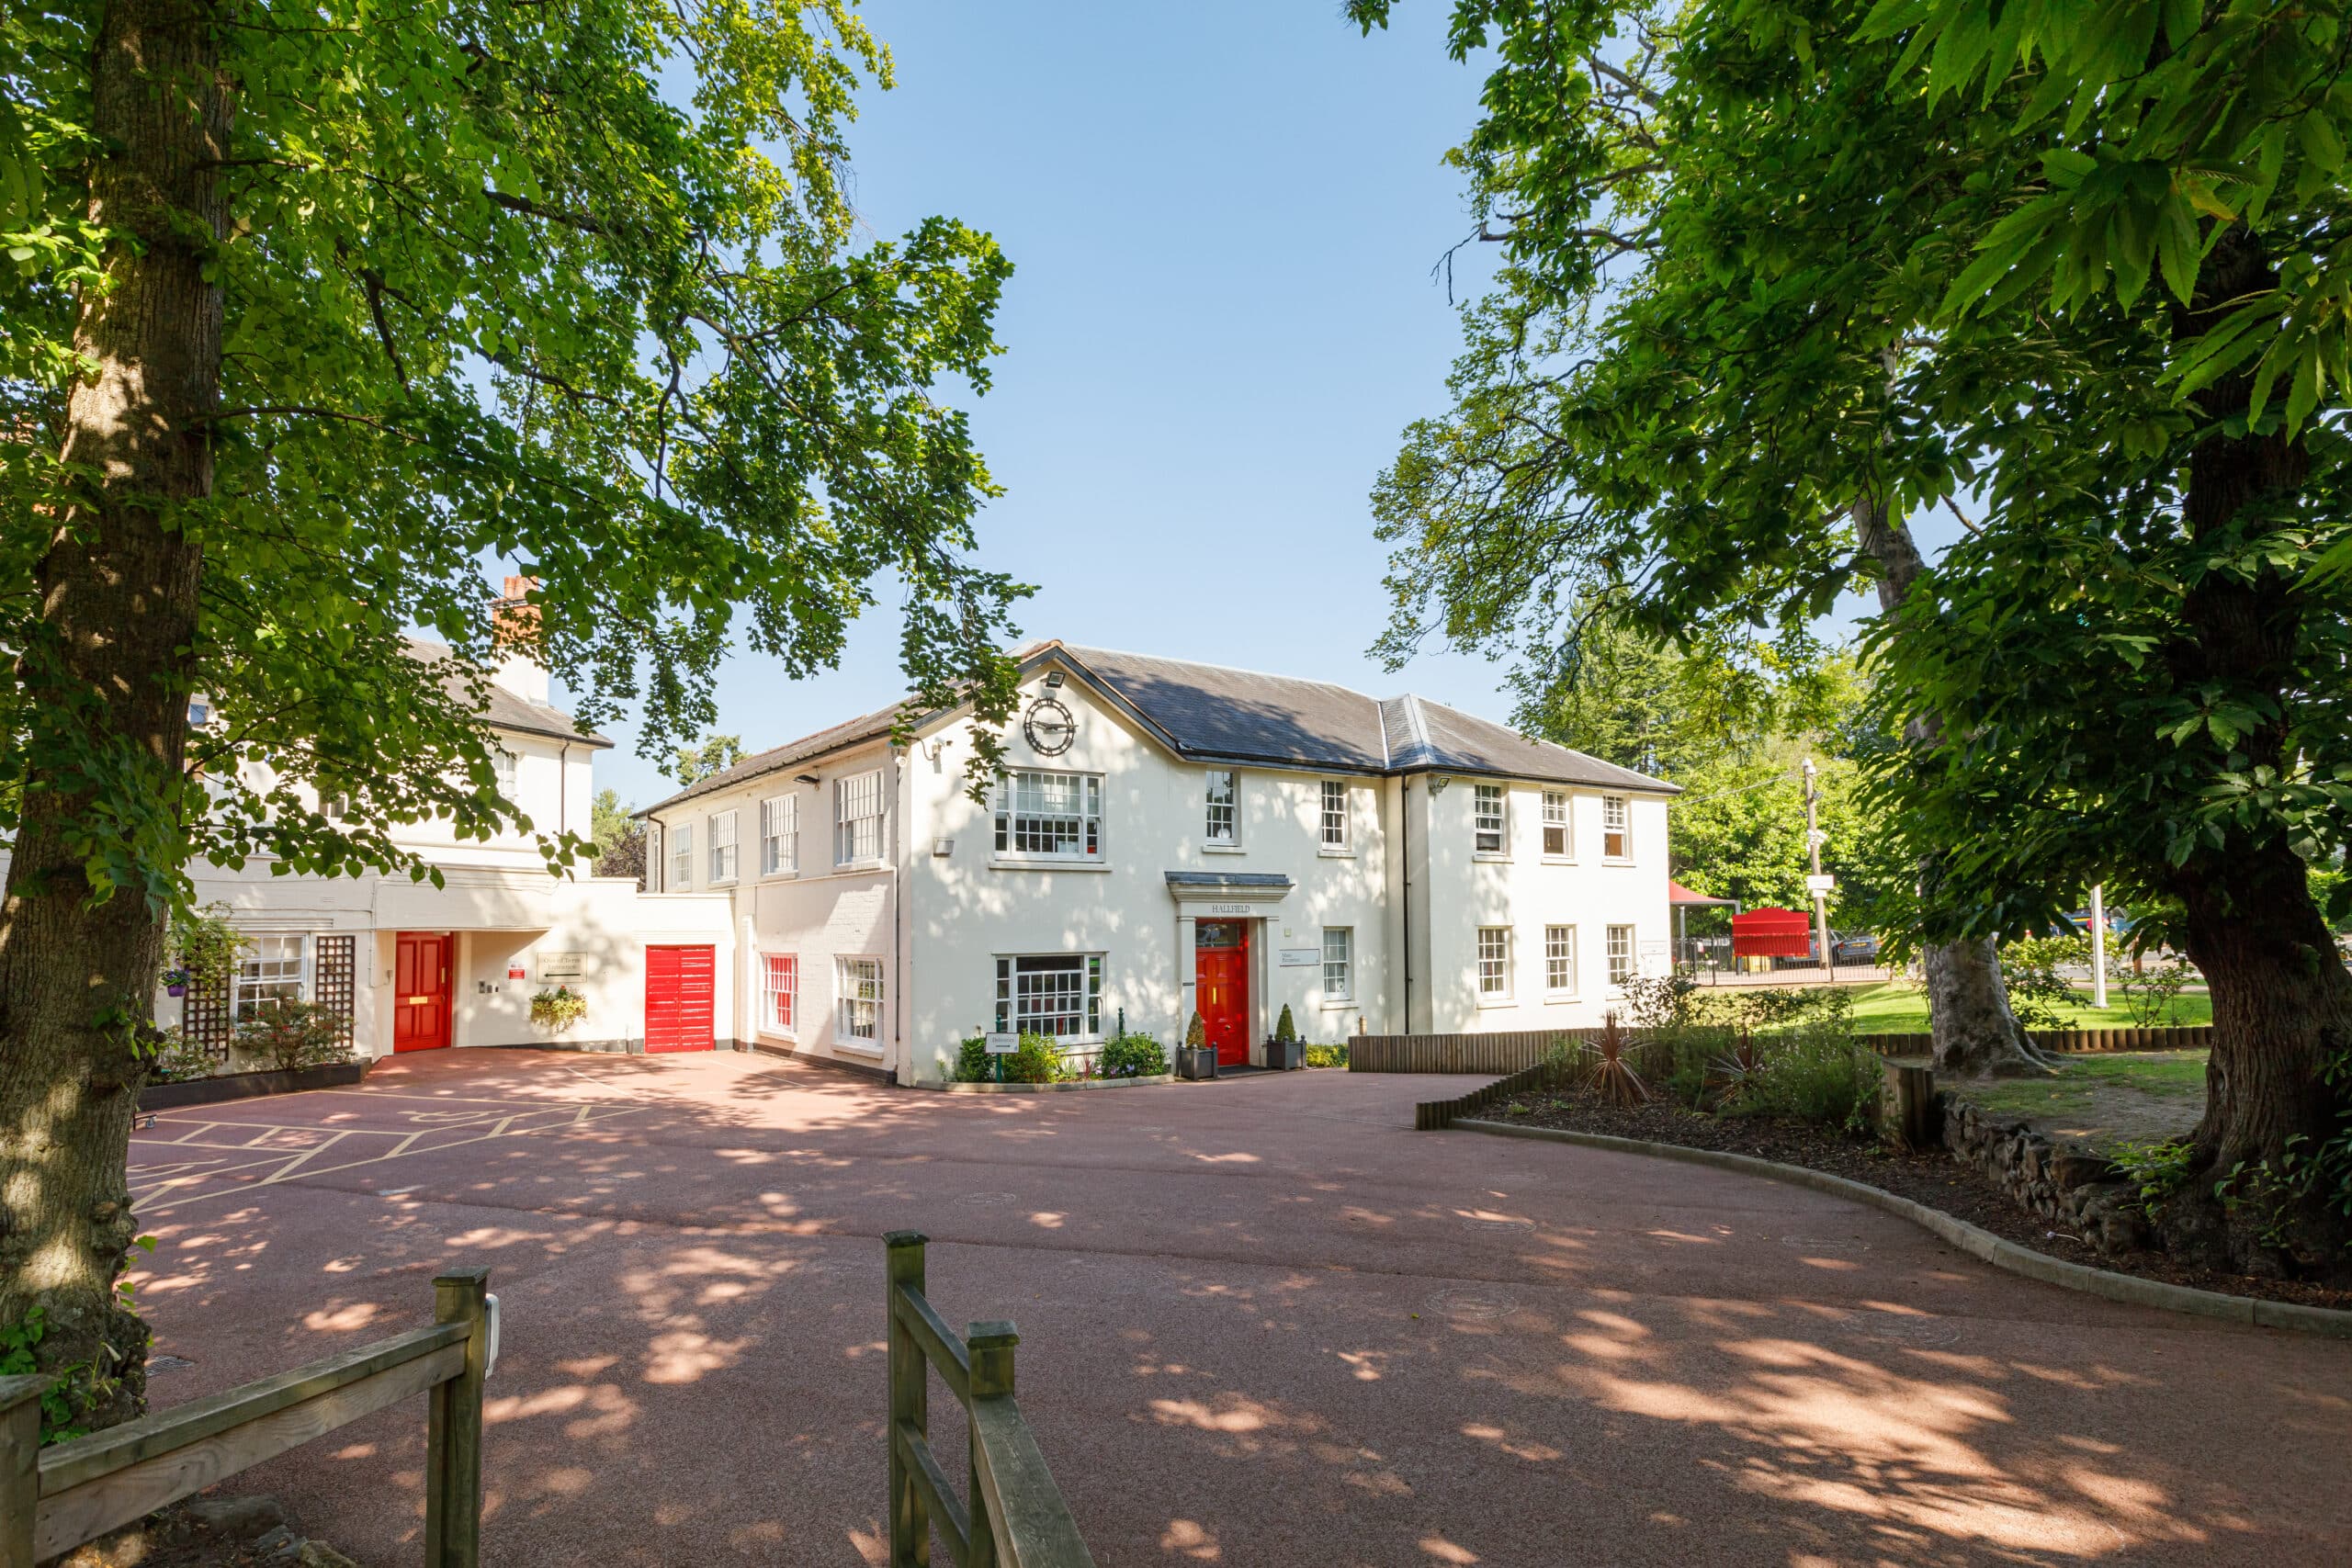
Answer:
(1405, 842)
(898, 919)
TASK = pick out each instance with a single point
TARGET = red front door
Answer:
(1221, 970)
(421, 990)
(678, 998)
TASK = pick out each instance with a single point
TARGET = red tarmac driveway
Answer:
(1262, 1322)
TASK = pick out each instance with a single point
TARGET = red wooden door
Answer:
(679, 991)
(421, 990)
(1221, 970)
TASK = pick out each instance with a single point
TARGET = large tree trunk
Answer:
(2282, 1000)
(1968, 1005)
(106, 676)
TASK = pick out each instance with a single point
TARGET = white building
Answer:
(417, 968)
(1171, 836)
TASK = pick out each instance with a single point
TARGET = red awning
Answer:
(1678, 894)
(1771, 933)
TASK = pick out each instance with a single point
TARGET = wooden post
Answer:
(1907, 1105)
(20, 1465)
(453, 1428)
(991, 1347)
(910, 1397)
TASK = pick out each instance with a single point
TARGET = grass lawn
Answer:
(2102, 1100)
(1900, 1007)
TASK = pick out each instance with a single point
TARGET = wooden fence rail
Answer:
(1513, 1051)
(54, 1499)
(1016, 1518)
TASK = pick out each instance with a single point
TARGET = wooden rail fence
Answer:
(1016, 1518)
(54, 1499)
(1512, 1051)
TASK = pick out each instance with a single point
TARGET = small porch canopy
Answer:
(1681, 900)
(1771, 933)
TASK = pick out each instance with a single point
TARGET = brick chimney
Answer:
(514, 627)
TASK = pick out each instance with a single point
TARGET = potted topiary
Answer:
(1285, 1052)
(1197, 1058)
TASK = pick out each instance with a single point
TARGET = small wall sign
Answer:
(517, 972)
(1301, 957)
(561, 966)
(1002, 1044)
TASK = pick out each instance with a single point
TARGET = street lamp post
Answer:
(1816, 883)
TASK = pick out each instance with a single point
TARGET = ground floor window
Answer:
(779, 991)
(272, 971)
(1338, 964)
(857, 1011)
(1059, 994)
(1494, 960)
(1559, 958)
(1621, 954)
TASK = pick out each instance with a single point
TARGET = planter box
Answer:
(247, 1086)
(1196, 1062)
(1285, 1056)
(1064, 1086)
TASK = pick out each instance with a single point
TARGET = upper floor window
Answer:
(1057, 995)
(857, 818)
(1559, 840)
(857, 1006)
(199, 712)
(1335, 813)
(779, 834)
(502, 766)
(1224, 821)
(1621, 954)
(1050, 815)
(1486, 818)
(722, 847)
(681, 857)
(271, 971)
(1494, 962)
(779, 991)
(652, 856)
(1616, 829)
(1338, 964)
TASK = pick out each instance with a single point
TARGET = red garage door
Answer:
(678, 992)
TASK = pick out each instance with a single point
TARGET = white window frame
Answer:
(504, 771)
(1010, 996)
(681, 878)
(656, 869)
(1617, 819)
(1225, 814)
(1559, 816)
(1622, 948)
(1560, 961)
(1335, 832)
(1083, 820)
(1493, 964)
(1481, 798)
(858, 995)
(851, 828)
(780, 835)
(1340, 964)
(722, 849)
(780, 994)
(261, 978)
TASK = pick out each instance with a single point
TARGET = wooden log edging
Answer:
(1975, 1240)
(1512, 1051)
(2066, 1041)
(1431, 1114)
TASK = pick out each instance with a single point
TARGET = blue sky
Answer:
(1222, 218)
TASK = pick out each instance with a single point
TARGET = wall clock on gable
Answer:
(1049, 727)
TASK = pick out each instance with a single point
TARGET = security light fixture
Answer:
(1053, 677)
(807, 778)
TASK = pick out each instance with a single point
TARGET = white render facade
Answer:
(1169, 836)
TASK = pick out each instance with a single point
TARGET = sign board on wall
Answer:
(563, 966)
(517, 972)
(1301, 957)
(1657, 959)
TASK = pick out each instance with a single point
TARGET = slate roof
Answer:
(505, 710)
(1212, 713)
(1229, 879)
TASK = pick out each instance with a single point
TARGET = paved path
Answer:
(1262, 1322)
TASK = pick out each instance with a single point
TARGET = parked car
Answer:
(1855, 947)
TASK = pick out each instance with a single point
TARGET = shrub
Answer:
(177, 1059)
(1196, 1034)
(1659, 1001)
(1773, 1006)
(1285, 1030)
(973, 1063)
(206, 948)
(1037, 1060)
(1815, 1073)
(1680, 1058)
(294, 1034)
(1132, 1056)
(2159, 1169)
(1327, 1055)
(1612, 1071)
(2152, 994)
(2038, 993)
